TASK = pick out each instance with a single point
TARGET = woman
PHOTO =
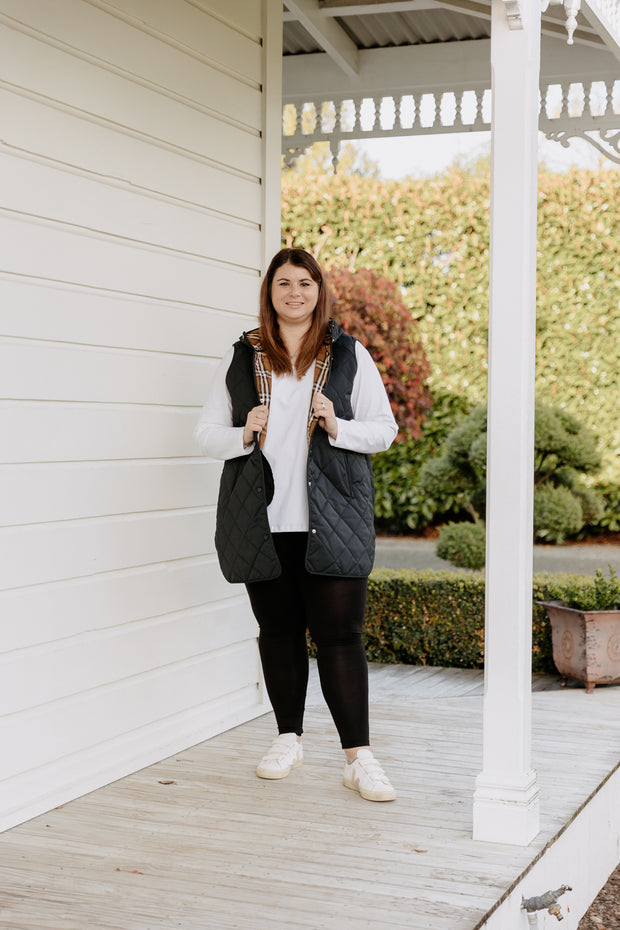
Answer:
(294, 410)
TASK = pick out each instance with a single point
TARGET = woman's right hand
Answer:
(255, 422)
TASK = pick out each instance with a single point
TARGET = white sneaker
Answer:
(365, 775)
(284, 755)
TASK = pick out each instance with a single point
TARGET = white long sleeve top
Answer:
(372, 429)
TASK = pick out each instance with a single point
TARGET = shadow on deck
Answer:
(198, 842)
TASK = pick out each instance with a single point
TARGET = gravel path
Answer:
(415, 552)
(604, 912)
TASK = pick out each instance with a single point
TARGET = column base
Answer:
(506, 809)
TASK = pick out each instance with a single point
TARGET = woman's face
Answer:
(294, 294)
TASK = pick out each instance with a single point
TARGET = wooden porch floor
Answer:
(197, 841)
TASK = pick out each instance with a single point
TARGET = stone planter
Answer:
(586, 643)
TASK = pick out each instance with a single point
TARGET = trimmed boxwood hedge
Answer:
(437, 617)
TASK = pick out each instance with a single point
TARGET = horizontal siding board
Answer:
(91, 718)
(50, 74)
(45, 612)
(46, 311)
(27, 187)
(53, 371)
(85, 662)
(116, 44)
(49, 432)
(196, 31)
(113, 43)
(74, 549)
(132, 224)
(65, 137)
(44, 493)
(50, 250)
(245, 15)
(43, 788)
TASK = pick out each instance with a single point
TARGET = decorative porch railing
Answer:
(590, 110)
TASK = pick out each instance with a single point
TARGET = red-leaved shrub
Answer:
(370, 307)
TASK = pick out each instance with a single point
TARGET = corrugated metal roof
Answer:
(382, 30)
(297, 41)
(416, 27)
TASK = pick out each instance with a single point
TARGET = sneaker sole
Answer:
(370, 796)
(271, 774)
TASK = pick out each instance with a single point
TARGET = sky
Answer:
(420, 156)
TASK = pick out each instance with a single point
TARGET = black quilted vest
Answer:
(341, 536)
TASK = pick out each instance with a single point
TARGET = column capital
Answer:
(514, 12)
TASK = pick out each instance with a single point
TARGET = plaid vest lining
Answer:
(263, 375)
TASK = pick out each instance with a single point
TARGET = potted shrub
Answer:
(585, 630)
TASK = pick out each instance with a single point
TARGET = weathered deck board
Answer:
(219, 848)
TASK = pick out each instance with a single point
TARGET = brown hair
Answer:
(270, 331)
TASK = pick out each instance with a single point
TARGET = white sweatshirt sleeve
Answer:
(214, 433)
(373, 427)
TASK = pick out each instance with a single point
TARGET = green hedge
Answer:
(437, 617)
(431, 238)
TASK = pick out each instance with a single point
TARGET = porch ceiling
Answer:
(342, 56)
(394, 23)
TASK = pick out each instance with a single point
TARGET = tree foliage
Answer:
(370, 307)
(431, 238)
(400, 505)
(565, 450)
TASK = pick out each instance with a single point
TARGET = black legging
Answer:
(333, 610)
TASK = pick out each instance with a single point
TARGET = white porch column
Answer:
(506, 808)
(272, 131)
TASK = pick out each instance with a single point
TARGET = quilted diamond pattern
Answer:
(242, 537)
(341, 539)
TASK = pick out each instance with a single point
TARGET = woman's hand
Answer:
(255, 422)
(324, 410)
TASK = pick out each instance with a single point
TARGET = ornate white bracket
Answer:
(608, 142)
(514, 12)
(604, 15)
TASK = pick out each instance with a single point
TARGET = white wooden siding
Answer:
(132, 174)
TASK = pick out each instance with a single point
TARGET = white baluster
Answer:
(564, 108)
(436, 98)
(334, 147)
(416, 110)
(458, 114)
(478, 117)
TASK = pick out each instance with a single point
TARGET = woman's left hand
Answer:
(324, 410)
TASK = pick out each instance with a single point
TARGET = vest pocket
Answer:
(337, 470)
